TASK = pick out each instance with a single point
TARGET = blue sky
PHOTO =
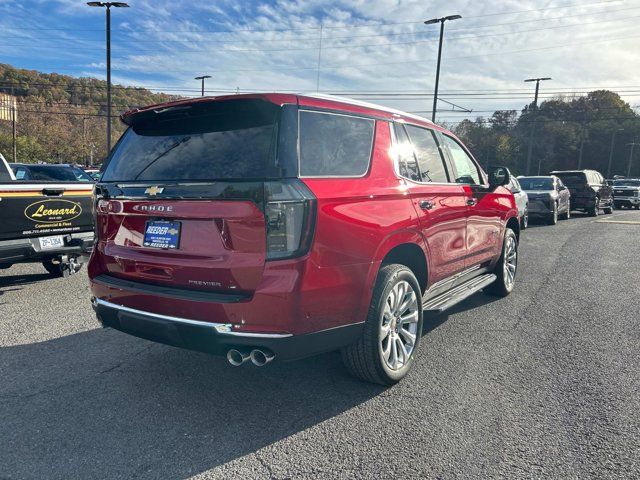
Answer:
(367, 46)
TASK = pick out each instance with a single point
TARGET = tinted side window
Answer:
(21, 174)
(334, 145)
(467, 172)
(407, 165)
(430, 161)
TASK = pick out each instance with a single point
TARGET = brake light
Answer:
(290, 209)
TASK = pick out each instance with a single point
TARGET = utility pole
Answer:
(582, 132)
(107, 6)
(534, 117)
(84, 141)
(14, 122)
(435, 93)
(613, 140)
(319, 59)
(202, 78)
(633, 144)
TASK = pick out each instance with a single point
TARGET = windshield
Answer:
(572, 178)
(225, 140)
(626, 183)
(536, 183)
(52, 173)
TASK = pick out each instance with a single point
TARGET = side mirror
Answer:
(499, 176)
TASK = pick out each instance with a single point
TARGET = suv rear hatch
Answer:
(183, 198)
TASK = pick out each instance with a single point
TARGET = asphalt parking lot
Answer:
(544, 383)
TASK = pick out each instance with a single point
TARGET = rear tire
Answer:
(506, 267)
(567, 214)
(371, 358)
(524, 223)
(637, 207)
(595, 208)
(608, 210)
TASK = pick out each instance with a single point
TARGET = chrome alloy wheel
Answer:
(399, 325)
(510, 262)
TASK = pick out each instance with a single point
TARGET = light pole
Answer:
(107, 6)
(201, 78)
(533, 127)
(613, 140)
(435, 94)
(632, 144)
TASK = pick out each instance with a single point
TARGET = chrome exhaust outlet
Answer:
(237, 357)
(261, 357)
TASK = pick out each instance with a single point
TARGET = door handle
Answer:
(472, 201)
(426, 204)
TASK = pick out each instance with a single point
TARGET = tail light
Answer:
(290, 210)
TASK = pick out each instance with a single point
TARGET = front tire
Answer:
(386, 350)
(553, 217)
(567, 214)
(525, 220)
(595, 208)
(506, 267)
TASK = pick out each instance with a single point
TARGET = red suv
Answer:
(281, 226)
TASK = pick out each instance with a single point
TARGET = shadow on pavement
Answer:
(102, 404)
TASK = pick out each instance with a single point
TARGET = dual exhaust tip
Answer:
(258, 357)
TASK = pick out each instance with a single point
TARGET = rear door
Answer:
(183, 198)
(439, 203)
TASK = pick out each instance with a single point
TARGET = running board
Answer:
(456, 295)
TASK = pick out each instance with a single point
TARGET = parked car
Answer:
(41, 172)
(522, 201)
(549, 198)
(49, 222)
(626, 193)
(589, 191)
(280, 226)
(6, 174)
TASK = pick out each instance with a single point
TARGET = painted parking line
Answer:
(625, 222)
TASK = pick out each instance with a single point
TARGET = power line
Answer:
(332, 27)
(413, 33)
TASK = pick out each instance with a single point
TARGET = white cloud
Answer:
(273, 46)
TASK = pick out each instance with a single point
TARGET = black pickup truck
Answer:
(48, 222)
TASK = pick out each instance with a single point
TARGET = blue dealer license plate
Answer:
(161, 234)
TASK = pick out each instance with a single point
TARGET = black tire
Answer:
(363, 358)
(553, 217)
(637, 207)
(501, 287)
(608, 210)
(524, 222)
(567, 214)
(594, 211)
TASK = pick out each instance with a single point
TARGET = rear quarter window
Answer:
(334, 145)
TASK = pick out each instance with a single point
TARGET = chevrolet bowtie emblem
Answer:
(154, 190)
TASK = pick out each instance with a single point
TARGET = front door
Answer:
(484, 211)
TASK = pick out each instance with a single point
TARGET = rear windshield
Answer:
(536, 183)
(51, 173)
(572, 178)
(212, 141)
(626, 183)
